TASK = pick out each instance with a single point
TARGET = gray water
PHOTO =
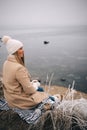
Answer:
(65, 57)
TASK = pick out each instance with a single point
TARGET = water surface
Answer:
(65, 57)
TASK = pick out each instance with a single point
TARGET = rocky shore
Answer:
(63, 118)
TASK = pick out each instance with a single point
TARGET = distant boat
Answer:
(46, 42)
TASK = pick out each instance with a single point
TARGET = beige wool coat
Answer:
(18, 89)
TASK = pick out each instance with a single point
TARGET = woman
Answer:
(18, 90)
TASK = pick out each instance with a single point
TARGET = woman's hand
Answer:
(35, 84)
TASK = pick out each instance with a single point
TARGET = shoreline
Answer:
(63, 90)
(55, 90)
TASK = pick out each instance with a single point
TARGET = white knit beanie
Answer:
(12, 45)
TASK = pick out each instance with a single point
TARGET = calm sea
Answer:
(60, 62)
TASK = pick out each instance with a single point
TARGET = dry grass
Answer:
(70, 114)
(62, 90)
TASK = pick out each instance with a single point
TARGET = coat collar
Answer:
(11, 58)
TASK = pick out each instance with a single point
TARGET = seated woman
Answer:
(19, 91)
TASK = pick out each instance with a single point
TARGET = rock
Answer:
(46, 42)
(49, 121)
(11, 121)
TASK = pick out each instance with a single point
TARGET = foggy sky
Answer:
(43, 12)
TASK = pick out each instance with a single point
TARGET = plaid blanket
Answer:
(29, 115)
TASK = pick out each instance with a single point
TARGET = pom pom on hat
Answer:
(12, 45)
(5, 39)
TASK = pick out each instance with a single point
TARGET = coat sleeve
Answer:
(23, 78)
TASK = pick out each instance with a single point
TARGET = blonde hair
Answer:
(19, 60)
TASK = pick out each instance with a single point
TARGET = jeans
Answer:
(40, 89)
